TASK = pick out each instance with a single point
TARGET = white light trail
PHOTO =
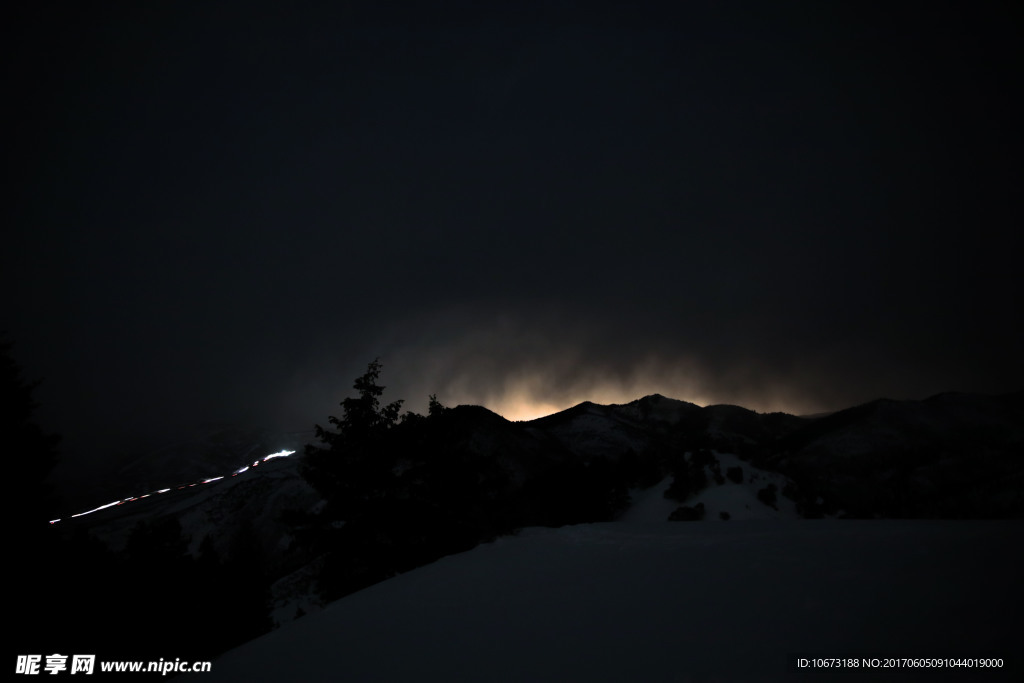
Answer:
(279, 454)
(101, 507)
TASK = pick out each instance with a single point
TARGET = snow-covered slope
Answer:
(230, 493)
(202, 452)
(952, 455)
(668, 602)
(215, 497)
(885, 426)
(738, 500)
(594, 430)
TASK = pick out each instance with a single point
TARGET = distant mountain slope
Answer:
(205, 450)
(951, 455)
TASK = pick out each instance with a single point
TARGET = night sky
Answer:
(223, 212)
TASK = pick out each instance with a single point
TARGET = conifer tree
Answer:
(354, 464)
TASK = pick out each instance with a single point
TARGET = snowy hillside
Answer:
(210, 484)
(191, 455)
(241, 486)
(950, 456)
(738, 501)
(668, 602)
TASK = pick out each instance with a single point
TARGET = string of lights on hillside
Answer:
(279, 454)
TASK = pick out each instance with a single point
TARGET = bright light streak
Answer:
(101, 507)
(279, 454)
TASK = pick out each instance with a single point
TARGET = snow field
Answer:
(665, 602)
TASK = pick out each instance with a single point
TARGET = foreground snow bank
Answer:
(667, 602)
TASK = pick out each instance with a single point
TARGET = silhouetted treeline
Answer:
(404, 491)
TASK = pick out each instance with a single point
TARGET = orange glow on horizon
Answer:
(521, 411)
(517, 407)
(530, 394)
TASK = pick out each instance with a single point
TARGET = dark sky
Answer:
(224, 211)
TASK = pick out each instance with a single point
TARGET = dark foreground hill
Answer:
(675, 602)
